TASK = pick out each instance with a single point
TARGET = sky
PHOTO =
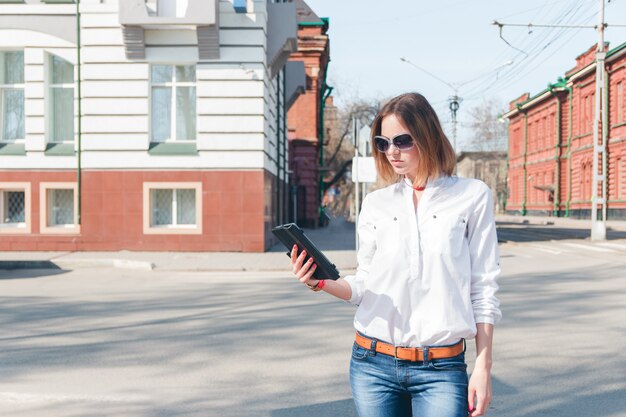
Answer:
(455, 41)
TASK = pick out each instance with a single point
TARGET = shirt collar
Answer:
(432, 182)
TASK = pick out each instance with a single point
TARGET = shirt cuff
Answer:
(354, 297)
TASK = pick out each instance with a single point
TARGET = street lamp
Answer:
(455, 100)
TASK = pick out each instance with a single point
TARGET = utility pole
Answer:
(455, 102)
(599, 174)
(598, 227)
(357, 200)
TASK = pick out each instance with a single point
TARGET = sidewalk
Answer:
(337, 241)
(619, 225)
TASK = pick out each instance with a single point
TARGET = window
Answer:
(14, 207)
(58, 208)
(173, 102)
(60, 100)
(620, 102)
(172, 208)
(12, 96)
(620, 176)
(167, 8)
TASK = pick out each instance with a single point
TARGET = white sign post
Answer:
(363, 169)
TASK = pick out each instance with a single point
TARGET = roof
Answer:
(610, 53)
(494, 155)
(305, 15)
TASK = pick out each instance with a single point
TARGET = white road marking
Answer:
(588, 247)
(22, 397)
(547, 249)
(612, 245)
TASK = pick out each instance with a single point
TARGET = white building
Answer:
(180, 143)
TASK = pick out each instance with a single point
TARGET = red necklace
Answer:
(415, 188)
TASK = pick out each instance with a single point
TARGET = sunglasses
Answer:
(403, 142)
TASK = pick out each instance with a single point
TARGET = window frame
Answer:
(9, 228)
(619, 105)
(149, 229)
(173, 85)
(48, 96)
(44, 187)
(22, 87)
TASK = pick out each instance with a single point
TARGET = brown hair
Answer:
(436, 155)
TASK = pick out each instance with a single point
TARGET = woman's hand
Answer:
(479, 389)
(303, 270)
(479, 392)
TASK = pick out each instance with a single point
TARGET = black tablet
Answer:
(290, 234)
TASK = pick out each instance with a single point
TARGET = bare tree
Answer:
(339, 148)
(489, 131)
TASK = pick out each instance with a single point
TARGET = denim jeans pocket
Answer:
(455, 363)
(358, 352)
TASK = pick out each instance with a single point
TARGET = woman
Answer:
(428, 262)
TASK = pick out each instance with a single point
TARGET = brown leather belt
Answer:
(412, 354)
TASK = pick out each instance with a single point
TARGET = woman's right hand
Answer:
(302, 270)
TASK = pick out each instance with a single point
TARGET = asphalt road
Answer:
(110, 342)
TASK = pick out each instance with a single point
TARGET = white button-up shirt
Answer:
(426, 278)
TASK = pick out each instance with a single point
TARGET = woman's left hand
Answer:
(479, 392)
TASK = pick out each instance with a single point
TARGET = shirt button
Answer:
(434, 216)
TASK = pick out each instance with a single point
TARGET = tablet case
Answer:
(290, 234)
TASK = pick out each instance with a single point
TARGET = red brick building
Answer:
(305, 116)
(551, 143)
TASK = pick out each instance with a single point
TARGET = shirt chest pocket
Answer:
(387, 230)
(443, 234)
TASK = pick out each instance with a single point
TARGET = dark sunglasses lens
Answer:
(403, 142)
(381, 144)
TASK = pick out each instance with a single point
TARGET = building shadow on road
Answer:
(10, 273)
(516, 232)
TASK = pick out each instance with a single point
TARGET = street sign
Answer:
(363, 169)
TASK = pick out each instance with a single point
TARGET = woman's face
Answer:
(403, 162)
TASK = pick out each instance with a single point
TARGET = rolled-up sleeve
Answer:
(367, 248)
(485, 259)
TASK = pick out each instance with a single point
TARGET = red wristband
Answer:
(321, 284)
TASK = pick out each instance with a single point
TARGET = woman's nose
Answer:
(393, 151)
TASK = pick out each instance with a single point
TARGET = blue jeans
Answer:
(383, 386)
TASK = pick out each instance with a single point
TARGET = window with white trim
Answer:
(167, 8)
(60, 100)
(173, 207)
(12, 96)
(620, 102)
(173, 103)
(13, 208)
(60, 208)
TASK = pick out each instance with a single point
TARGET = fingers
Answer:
(471, 400)
(304, 269)
(311, 270)
(294, 254)
(481, 405)
(297, 264)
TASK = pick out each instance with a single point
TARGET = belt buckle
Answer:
(413, 353)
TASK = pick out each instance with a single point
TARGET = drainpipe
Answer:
(278, 147)
(570, 92)
(325, 92)
(524, 163)
(79, 129)
(285, 157)
(557, 153)
(605, 157)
